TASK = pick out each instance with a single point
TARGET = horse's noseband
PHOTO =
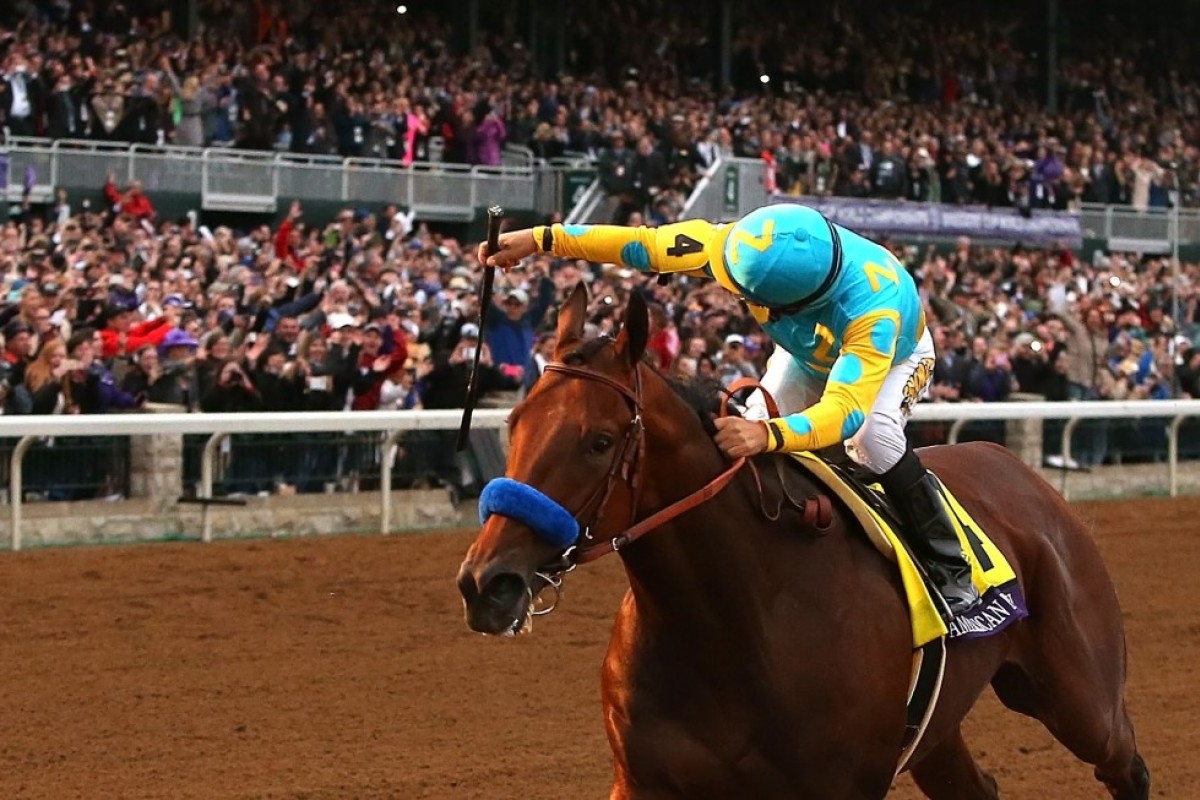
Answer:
(546, 517)
(626, 463)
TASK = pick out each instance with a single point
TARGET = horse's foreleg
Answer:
(1127, 781)
(949, 772)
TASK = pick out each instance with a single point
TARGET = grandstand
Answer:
(240, 298)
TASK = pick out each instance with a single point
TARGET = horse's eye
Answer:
(602, 443)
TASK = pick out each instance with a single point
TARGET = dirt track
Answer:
(340, 669)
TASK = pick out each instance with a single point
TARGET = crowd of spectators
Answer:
(113, 308)
(954, 113)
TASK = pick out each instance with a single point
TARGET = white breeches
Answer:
(880, 442)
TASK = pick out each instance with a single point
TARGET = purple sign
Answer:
(897, 218)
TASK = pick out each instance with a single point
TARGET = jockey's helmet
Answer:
(782, 256)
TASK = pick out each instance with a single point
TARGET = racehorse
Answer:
(770, 659)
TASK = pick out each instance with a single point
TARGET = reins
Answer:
(626, 465)
(573, 531)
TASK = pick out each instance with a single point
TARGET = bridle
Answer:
(626, 463)
(627, 467)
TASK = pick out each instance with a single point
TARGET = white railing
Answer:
(218, 426)
(1175, 410)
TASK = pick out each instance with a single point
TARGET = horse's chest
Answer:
(737, 721)
(670, 721)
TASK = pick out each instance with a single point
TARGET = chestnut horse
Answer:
(763, 659)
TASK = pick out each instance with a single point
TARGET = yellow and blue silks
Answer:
(849, 336)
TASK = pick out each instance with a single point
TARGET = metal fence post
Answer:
(207, 472)
(15, 490)
(1173, 453)
(204, 176)
(955, 428)
(1068, 429)
(385, 480)
(53, 167)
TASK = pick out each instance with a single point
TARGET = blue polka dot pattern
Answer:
(800, 425)
(854, 421)
(575, 230)
(635, 255)
(883, 336)
(848, 369)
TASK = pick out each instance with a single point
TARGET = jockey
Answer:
(853, 352)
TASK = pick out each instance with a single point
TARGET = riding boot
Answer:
(929, 531)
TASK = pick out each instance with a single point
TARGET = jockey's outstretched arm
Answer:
(678, 247)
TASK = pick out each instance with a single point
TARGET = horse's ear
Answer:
(635, 330)
(572, 315)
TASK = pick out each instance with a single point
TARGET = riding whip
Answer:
(495, 215)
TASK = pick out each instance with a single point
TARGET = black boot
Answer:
(929, 531)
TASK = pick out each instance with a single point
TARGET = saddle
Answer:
(865, 486)
(1002, 602)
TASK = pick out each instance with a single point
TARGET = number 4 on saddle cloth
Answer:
(1002, 600)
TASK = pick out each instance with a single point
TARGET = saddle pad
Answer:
(1002, 600)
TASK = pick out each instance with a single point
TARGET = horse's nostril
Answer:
(467, 586)
(504, 590)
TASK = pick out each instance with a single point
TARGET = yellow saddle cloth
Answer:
(1002, 601)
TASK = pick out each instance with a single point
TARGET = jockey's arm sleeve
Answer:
(678, 247)
(868, 346)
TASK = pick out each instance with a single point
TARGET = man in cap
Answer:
(468, 340)
(853, 350)
(178, 350)
(374, 366)
(18, 341)
(734, 364)
(1030, 365)
(510, 330)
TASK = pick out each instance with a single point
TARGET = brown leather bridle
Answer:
(626, 467)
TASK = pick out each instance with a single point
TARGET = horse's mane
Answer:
(701, 395)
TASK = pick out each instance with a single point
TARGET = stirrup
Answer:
(959, 599)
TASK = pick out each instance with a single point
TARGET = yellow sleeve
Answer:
(678, 247)
(868, 347)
